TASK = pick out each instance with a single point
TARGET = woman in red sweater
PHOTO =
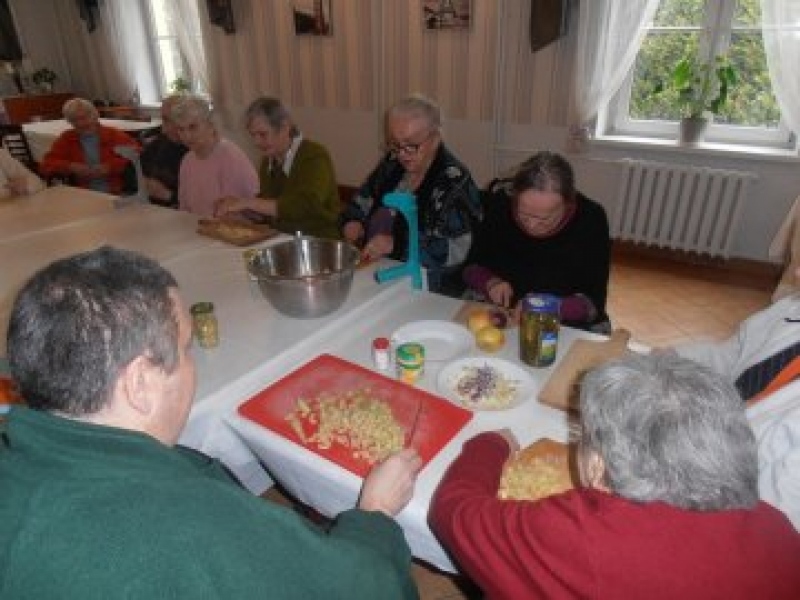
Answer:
(86, 152)
(669, 507)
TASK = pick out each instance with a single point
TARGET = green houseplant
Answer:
(44, 79)
(699, 89)
(180, 85)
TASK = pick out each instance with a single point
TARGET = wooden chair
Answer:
(14, 140)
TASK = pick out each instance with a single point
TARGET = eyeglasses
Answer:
(544, 220)
(409, 149)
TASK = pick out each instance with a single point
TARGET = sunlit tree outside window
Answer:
(705, 29)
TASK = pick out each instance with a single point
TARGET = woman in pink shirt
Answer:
(214, 167)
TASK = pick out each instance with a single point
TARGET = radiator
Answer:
(694, 209)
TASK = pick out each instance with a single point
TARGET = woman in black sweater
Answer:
(540, 235)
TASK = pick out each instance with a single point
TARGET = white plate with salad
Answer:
(485, 383)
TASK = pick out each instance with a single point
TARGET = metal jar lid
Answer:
(410, 353)
(201, 308)
(541, 303)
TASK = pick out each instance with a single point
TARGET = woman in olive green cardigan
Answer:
(298, 182)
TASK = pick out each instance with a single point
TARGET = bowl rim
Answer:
(253, 253)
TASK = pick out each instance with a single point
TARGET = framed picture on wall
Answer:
(312, 17)
(447, 14)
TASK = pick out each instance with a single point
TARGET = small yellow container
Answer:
(206, 327)
(410, 362)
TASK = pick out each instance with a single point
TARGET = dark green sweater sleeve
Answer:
(308, 199)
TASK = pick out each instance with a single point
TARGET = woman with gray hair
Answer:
(85, 153)
(669, 506)
(298, 182)
(214, 167)
(448, 201)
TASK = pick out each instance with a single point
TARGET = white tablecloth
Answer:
(258, 345)
(329, 488)
(42, 134)
(252, 332)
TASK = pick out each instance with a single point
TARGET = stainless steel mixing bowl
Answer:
(304, 277)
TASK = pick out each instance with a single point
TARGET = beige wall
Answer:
(501, 101)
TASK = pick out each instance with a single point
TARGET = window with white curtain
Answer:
(168, 28)
(706, 29)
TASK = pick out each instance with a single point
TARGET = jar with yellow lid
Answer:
(410, 362)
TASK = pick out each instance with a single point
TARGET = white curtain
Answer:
(115, 20)
(781, 26)
(610, 34)
(185, 14)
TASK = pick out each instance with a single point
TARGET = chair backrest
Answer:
(140, 193)
(14, 140)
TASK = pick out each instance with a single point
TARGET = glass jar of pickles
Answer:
(204, 322)
(538, 329)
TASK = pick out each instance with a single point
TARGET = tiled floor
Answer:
(661, 303)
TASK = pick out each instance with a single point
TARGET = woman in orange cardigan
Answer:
(86, 152)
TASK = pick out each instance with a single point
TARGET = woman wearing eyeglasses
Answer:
(448, 201)
(539, 234)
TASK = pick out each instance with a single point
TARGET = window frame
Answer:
(614, 118)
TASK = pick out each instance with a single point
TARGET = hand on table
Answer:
(510, 439)
(17, 185)
(500, 292)
(156, 189)
(85, 171)
(390, 484)
(228, 204)
(353, 231)
(378, 246)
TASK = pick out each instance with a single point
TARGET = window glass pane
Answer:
(646, 106)
(171, 62)
(161, 19)
(659, 54)
(751, 100)
(747, 13)
(680, 13)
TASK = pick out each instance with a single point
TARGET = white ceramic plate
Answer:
(508, 385)
(443, 340)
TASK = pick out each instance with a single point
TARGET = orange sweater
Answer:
(67, 149)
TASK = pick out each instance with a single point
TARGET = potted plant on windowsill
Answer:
(701, 89)
(44, 79)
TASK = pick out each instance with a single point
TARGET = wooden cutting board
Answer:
(562, 388)
(235, 232)
(429, 421)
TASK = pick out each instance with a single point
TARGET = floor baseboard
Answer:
(740, 271)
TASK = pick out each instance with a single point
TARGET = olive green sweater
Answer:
(308, 198)
(88, 512)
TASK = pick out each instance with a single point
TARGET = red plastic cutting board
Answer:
(438, 420)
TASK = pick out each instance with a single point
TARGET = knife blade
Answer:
(412, 432)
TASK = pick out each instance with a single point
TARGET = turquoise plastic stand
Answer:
(406, 205)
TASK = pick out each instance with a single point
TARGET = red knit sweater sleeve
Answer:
(510, 549)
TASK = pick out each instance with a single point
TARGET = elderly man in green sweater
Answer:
(96, 500)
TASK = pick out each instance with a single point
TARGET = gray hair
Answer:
(188, 106)
(418, 105)
(670, 430)
(272, 111)
(76, 106)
